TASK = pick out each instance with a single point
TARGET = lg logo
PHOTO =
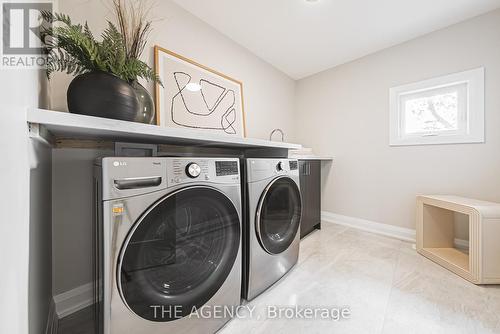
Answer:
(119, 163)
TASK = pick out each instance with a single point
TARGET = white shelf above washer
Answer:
(67, 125)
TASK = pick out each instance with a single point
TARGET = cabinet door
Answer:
(314, 191)
(310, 186)
(304, 222)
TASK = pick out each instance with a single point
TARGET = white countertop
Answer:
(67, 125)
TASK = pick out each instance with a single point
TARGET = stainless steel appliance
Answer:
(274, 213)
(168, 242)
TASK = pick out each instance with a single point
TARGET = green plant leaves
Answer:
(72, 48)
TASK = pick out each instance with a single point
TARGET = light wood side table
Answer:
(435, 236)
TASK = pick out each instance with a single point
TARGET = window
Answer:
(444, 110)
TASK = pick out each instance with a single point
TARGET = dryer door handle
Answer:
(137, 182)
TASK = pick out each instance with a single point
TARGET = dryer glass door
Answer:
(179, 254)
(278, 215)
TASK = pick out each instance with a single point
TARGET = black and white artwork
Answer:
(196, 97)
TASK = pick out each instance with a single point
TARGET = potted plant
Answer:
(106, 71)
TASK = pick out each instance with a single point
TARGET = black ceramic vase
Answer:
(102, 94)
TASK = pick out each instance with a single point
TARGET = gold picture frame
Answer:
(223, 104)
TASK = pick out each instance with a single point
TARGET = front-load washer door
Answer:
(179, 254)
(278, 215)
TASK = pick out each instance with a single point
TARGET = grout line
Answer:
(398, 260)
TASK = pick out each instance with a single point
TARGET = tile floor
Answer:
(388, 287)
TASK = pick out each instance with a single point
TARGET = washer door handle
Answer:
(137, 182)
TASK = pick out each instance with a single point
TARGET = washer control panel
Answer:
(186, 170)
(129, 176)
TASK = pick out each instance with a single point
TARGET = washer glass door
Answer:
(179, 254)
(278, 215)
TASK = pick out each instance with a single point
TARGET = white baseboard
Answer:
(401, 233)
(74, 300)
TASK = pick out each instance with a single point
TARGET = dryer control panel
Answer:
(261, 169)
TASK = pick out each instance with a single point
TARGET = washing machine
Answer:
(273, 222)
(168, 244)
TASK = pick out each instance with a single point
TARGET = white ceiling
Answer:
(302, 38)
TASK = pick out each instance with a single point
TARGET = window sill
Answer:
(437, 140)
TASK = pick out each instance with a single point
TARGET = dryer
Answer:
(168, 242)
(273, 222)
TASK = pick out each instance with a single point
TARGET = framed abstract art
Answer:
(196, 97)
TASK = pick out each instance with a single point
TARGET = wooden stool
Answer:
(435, 236)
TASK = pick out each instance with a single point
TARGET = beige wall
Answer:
(344, 112)
(72, 216)
(268, 93)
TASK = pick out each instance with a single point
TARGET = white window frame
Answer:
(472, 131)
